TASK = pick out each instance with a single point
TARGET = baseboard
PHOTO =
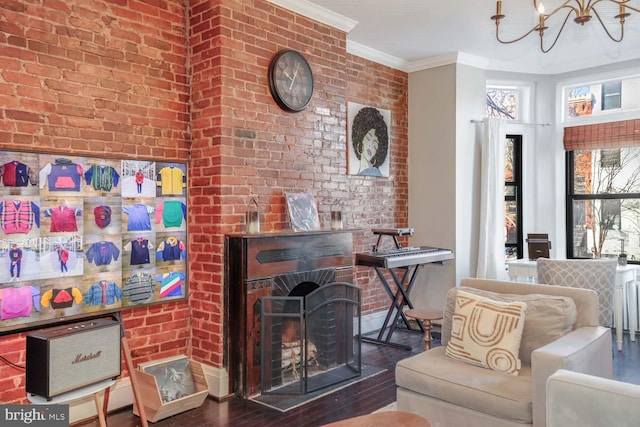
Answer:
(218, 379)
(121, 394)
(372, 322)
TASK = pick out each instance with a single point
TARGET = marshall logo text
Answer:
(85, 357)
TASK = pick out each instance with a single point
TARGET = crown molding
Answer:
(341, 22)
(317, 13)
(376, 56)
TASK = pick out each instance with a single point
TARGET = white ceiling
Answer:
(411, 34)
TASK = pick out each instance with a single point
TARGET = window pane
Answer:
(607, 171)
(509, 166)
(509, 191)
(580, 101)
(600, 226)
(502, 103)
(511, 224)
(611, 95)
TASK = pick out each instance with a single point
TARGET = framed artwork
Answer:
(81, 236)
(303, 211)
(173, 376)
(368, 140)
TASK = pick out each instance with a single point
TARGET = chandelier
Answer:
(583, 11)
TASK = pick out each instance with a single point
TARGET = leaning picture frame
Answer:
(303, 211)
(173, 376)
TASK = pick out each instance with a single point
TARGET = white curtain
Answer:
(492, 228)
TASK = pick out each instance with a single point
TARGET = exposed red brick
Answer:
(124, 82)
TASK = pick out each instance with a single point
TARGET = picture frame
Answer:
(303, 211)
(368, 140)
(95, 235)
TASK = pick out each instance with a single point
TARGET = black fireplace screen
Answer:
(310, 341)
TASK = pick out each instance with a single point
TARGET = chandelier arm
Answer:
(514, 40)
(565, 5)
(624, 3)
(566, 18)
(595, 12)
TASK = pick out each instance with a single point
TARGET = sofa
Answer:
(581, 400)
(452, 392)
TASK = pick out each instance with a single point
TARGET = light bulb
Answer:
(541, 9)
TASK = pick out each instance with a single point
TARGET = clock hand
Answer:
(295, 73)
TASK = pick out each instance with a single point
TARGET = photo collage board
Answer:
(82, 235)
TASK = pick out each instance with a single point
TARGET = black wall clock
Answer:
(290, 80)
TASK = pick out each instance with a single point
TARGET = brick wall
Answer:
(103, 78)
(109, 78)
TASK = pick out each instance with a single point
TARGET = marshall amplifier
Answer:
(65, 358)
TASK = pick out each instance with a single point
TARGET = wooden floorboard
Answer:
(358, 399)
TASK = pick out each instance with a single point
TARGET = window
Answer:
(586, 101)
(611, 95)
(502, 103)
(603, 203)
(513, 197)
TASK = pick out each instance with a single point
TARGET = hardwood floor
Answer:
(357, 399)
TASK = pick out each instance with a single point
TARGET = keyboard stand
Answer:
(398, 301)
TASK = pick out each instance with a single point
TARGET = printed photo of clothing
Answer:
(139, 251)
(17, 174)
(19, 302)
(139, 180)
(139, 219)
(102, 177)
(61, 298)
(15, 258)
(19, 216)
(63, 256)
(171, 213)
(63, 175)
(102, 253)
(171, 284)
(63, 219)
(102, 215)
(103, 293)
(171, 249)
(139, 288)
(171, 180)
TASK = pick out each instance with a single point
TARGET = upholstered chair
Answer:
(575, 399)
(596, 274)
(561, 331)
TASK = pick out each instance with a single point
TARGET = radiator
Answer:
(631, 306)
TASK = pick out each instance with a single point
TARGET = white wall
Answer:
(432, 175)
(444, 162)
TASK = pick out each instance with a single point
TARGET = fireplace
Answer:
(310, 334)
(275, 267)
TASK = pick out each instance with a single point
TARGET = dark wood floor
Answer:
(357, 399)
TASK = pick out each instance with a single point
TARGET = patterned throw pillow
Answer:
(487, 333)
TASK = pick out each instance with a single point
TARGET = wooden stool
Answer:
(425, 316)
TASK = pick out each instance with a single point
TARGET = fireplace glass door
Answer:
(310, 342)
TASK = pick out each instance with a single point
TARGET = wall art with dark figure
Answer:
(368, 140)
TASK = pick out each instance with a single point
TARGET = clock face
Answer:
(290, 80)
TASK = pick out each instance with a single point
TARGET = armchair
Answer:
(451, 392)
(575, 399)
(596, 274)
